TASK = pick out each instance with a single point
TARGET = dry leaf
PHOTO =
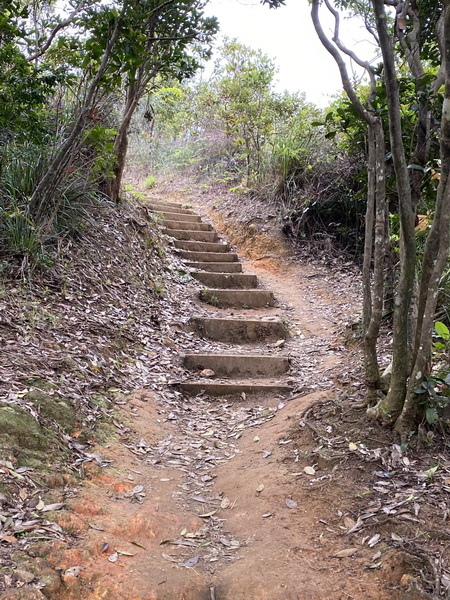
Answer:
(225, 503)
(191, 562)
(209, 514)
(345, 553)
(73, 571)
(374, 540)
(50, 507)
(9, 539)
(349, 522)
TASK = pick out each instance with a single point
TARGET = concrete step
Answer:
(174, 209)
(238, 298)
(222, 267)
(238, 331)
(232, 389)
(176, 216)
(187, 225)
(161, 203)
(226, 280)
(209, 256)
(198, 236)
(238, 365)
(202, 246)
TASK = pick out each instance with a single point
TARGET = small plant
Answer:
(436, 388)
(150, 182)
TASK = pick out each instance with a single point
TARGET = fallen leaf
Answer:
(225, 503)
(73, 571)
(349, 522)
(168, 557)
(209, 514)
(50, 507)
(345, 553)
(125, 553)
(374, 540)
(9, 539)
(191, 562)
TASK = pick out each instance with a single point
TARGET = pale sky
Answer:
(288, 36)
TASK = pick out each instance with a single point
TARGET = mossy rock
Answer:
(19, 429)
(52, 407)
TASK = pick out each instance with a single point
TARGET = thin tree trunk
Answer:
(436, 254)
(113, 185)
(390, 407)
(372, 328)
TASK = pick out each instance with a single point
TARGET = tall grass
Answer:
(28, 236)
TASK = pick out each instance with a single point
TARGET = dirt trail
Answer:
(204, 499)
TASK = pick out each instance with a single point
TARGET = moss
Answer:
(52, 407)
(20, 429)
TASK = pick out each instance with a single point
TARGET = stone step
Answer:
(198, 236)
(232, 389)
(238, 298)
(220, 267)
(209, 256)
(187, 225)
(238, 365)
(226, 280)
(162, 207)
(176, 216)
(202, 246)
(238, 331)
(167, 205)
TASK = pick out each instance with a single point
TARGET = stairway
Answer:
(218, 269)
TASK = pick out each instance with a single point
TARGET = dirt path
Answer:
(209, 499)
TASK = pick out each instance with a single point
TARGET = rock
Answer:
(24, 576)
(207, 373)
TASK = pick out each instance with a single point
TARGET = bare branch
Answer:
(364, 64)
(364, 114)
(58, 28)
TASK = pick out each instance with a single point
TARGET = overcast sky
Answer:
(287, 35)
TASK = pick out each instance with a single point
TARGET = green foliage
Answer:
(28, 236)
(150, 182)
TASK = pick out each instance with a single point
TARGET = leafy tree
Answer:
(418, 39)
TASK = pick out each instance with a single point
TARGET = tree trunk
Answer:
(436, 254)
(113, 185)
(390, 407)
(376, 291)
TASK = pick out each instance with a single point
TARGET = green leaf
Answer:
(431, 416)
(442, 330)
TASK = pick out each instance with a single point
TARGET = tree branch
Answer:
(57, 29)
